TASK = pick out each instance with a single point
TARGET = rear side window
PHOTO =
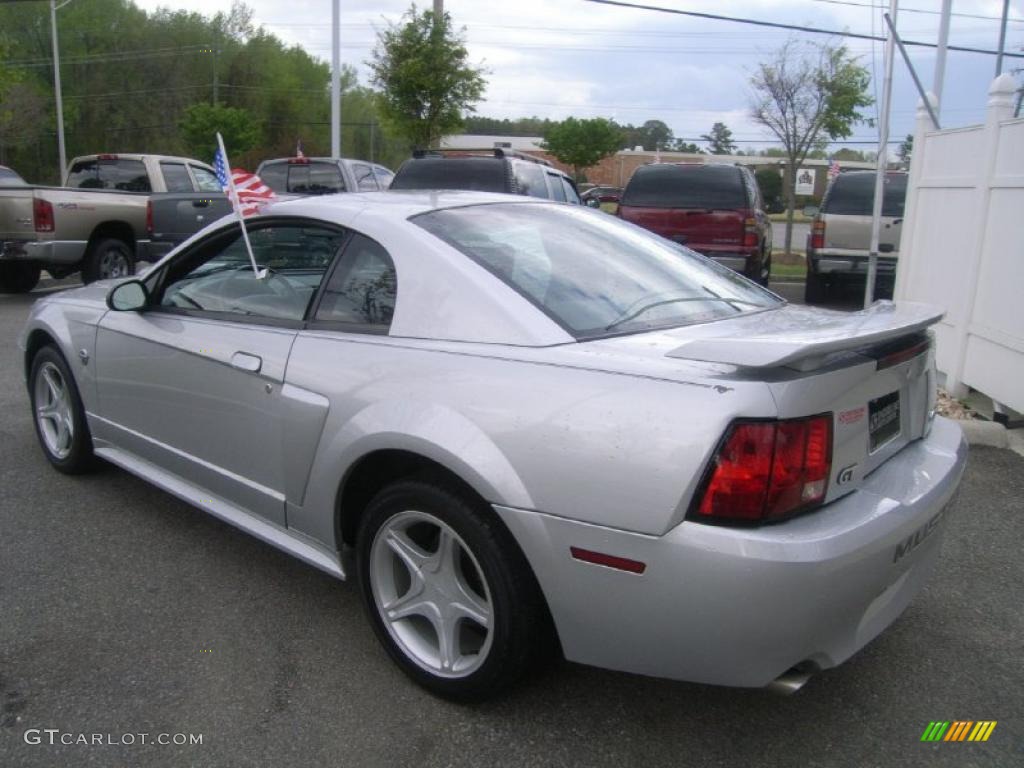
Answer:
(314, 179)
(117, 173)
(176, 177)
(557, 190)
(695, 186)
(481, 174)
(365, 180)
(384, 176)
(854, 195)
(362, 290)
(530, 180)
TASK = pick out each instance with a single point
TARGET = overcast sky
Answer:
(555, 58)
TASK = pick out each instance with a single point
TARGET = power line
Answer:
(918, 10)
(793, 27)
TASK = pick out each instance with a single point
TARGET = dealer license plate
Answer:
(883, 420)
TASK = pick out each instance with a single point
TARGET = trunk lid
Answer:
(873, 371)
(853, 233)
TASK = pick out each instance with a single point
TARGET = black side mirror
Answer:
(131, 296)
(593, 202)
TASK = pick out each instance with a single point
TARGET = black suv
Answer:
(486, 170)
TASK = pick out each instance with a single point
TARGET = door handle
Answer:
(200, 203)
(246, 362)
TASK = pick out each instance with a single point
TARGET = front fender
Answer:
(430, 430)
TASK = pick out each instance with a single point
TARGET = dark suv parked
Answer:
(714, 209)
(486, 170)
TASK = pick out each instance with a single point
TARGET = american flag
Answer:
(253, 194)
(833, 169)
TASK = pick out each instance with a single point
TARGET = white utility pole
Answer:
(940, 54)
(335, 79)
(56, 89)
(882, 160)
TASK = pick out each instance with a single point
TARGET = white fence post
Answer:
(1000, 108)
(905, 263)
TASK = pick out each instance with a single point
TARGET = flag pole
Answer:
(237, 206)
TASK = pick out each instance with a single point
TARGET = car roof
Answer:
(400, 203)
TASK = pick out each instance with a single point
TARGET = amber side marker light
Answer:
(611, 561)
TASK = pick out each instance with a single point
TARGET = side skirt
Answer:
(289, 541)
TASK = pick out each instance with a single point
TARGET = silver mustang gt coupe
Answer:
(523, 427)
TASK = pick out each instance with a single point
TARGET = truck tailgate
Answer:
(16, 214)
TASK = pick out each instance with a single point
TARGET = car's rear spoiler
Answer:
(801, 337)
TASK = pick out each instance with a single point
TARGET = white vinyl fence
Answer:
(963, 246)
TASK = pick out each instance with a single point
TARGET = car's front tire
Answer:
(447, 590)
(58, 413)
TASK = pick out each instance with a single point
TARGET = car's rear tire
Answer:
(58, 414)
(18, 276)
(448, 592)
(816, 289)
(108, 257)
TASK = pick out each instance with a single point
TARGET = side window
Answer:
(206, 181)
(176, 177)
(530, 180)
(571, 196)
(365, 180)
(557, 191)
(384, 176)
(362, 289)
(218, 277)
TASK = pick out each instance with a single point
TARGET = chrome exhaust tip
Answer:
(791, 681)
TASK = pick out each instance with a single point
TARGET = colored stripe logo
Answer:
(959, 730)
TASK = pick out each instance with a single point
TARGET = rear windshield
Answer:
(482, 174)
(591, 273)
(682, 186)
(118, 173)
(854, 195)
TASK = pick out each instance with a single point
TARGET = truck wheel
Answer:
(18, 276)
(108, 257)
(816, 291)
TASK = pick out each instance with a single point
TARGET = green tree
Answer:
(906, 149)
(769, 181)
(583, 143)
(202, 122)
(807, 94)
(685, 146)
(720, 140)
(426, 82)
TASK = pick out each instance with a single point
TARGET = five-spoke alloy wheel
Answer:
(448, 591)
(59, 416)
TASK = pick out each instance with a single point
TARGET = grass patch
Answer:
(789, 271)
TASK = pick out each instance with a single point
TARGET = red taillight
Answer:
(149, 218)
(750, 233)
(818, 234)
(42, 215)
(767, 470)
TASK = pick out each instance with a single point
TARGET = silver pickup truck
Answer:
(99, 222)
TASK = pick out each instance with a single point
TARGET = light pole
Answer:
(56, 89)
(335, 80)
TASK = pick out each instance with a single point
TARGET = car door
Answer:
(194, 383)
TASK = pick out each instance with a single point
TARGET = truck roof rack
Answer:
(499, 152)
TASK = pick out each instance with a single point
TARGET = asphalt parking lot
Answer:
(124, 611)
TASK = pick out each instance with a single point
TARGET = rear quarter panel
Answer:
(612, 449)
(77, 212)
